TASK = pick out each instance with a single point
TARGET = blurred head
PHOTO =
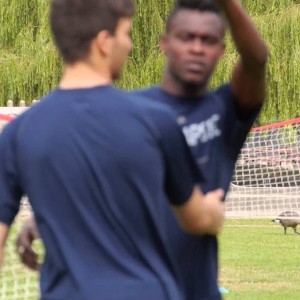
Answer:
(79, 25)
(193, 42)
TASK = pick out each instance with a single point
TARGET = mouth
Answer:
(194, 67)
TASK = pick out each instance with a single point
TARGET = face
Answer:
(121, 47)
(193, 46)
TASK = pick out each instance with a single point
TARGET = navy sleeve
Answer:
(237, 124)
(182, 173)
(10, 190)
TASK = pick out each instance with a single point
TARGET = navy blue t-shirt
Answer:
(98, 169)
(215, 133)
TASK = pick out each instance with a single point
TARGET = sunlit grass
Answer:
(259, 262)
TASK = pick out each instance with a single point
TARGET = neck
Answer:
(84, 75)
(178, 88)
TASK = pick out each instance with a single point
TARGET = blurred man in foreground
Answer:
(99, 204)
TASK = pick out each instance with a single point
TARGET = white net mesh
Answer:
(266, 181)
(16, 281)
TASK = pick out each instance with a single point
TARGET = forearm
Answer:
(202, 214)
(248, 41)
(3, 237)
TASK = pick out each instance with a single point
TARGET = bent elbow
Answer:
(262, 57)
(256, 63)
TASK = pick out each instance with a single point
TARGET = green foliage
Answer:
(258, 7)
(29, 62)
(146, 63)
(30, 66)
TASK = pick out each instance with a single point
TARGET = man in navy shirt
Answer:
(215, 123)
(99, 169)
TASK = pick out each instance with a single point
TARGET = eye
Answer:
(210, 40)
(184, 37)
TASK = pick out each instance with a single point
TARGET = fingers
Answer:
(218, 193)
(28, 256)
(24, 242)
(21, 249)
(217, 210)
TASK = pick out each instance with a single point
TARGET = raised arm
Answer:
(249, 78)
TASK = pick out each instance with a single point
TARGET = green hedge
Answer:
(30, 66)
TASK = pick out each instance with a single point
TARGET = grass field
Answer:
(258, 262)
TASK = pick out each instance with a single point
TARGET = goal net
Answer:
(266, 181)
(265, 184)
(16, 281)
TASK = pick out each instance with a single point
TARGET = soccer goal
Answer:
(266, 181)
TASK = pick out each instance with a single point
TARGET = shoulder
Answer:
(231, 102)
(223, 92)
(154, 108)
(143, 101)
(10, 131)
(37, 110)
(149, 92)
(159, 118)
(222, 98)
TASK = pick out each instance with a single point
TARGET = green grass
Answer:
(259, 262)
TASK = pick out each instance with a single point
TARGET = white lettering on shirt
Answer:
(202, 132)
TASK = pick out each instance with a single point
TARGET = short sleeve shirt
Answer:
(215, 133)
(100, 170)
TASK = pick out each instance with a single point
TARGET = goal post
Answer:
(266, 181)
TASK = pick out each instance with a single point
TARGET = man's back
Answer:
(95, 179)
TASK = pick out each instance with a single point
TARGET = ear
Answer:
(164, 43)
(104, 42)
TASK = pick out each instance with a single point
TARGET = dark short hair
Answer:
(198, 5)
(75, 23)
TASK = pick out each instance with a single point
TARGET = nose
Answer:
(197, 46)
